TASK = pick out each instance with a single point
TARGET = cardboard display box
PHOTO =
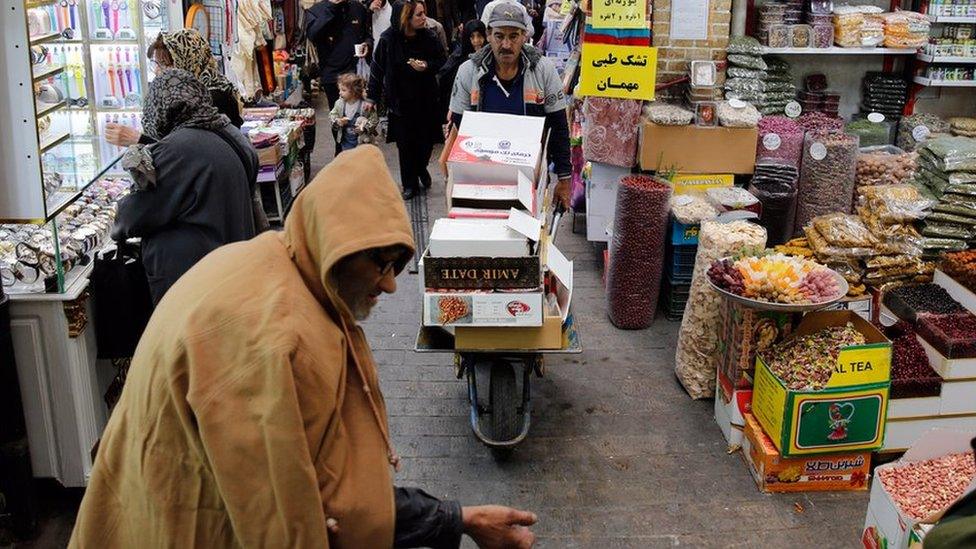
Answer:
(885, 526)
(694, 149)
(960, 293)
(483, 309)
(730, 416)
(463, 238)
(903, 433)
(547, 336)
(949, 368)
(775, 474)
(846, 416)
(746, 331)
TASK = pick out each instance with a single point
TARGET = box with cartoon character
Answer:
(848, 414)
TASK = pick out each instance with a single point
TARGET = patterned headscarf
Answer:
(176, 99)
(191, 52)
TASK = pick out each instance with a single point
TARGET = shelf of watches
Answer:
(27, 252)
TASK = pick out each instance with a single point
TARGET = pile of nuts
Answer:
(806, 363)
(691, 209)
(922, 488)
(882, 168)
(667, 114)
(962, 267)
(696, 358)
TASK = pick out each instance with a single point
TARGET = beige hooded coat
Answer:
(252, 411)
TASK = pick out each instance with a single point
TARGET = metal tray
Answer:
(785, 307)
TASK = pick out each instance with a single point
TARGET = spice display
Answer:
(826, 176)
(610, 130)
(923, 488)
(801, 36)
(884, 166)
(963, 126)
(908, 301)
(780, 140)
(745, 45)
(911, 374)
(807, 362)
(816, 121)
(954, 335)
(953, 154)
(942, 172)
(668, 114)
(696, 356)
(691, 209)
(823, 36)
(775, 187)
(962, 267)
(636, 251)
(871, 134)
(919, 127)
(745, 116)
(748, 61)
(779, 36)
(776, 278)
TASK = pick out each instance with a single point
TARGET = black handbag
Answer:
(122, 303)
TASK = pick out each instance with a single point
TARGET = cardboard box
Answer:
(694, 149)
(488, 169)
(899, 408)
(463, 238)
(949, 368)
(483, 309)
(547, 336)
(730, 416)
(775, 474)
(902, 433)
(746, 331)
(885, 525)
(846, 416)
(958, 292)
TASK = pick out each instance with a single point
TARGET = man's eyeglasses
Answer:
(387, 266)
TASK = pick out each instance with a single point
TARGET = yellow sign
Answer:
(620, 14)
(689, 183)
(626, 72)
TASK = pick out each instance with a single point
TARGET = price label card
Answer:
(772, 141)
(620, 14)
(818, 151)
(793, 109)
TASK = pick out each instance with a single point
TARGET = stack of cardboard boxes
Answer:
(490, 275)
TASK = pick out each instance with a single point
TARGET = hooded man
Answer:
(252, 414)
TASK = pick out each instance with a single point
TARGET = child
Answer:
(348, 118)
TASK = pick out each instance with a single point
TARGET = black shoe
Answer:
(409, 194)
(425, 179)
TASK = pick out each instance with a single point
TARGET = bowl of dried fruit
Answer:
(777, 282)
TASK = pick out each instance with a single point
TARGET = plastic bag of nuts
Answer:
(826, 176)
(696, 359)
(884, 166)
(637, 251)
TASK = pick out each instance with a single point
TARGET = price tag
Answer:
(772, 141)
(793, 109)
(818, 151)
(876, 117)
(682, 200)
(737, 103)
(921, 133)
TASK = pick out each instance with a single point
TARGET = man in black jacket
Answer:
(336, 27)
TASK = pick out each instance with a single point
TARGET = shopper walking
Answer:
(515, 78)
(252, 415)
(184, 49)
(192, 186)
(472, 40)
(348, 117)
(336, 28)
(404, 76)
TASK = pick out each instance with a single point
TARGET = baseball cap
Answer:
(509, 14)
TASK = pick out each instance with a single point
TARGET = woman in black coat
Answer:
(404, 76)
(473, 38)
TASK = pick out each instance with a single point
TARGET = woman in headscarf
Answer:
(184, 49)
(473, 38)
(404, 76)
(192, 187)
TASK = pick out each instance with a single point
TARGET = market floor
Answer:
(617, 456)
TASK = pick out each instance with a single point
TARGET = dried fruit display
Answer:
(696, 357)
(780, 140)
(637, 251)
(922, 488)
(954, 336)
(908, 301)
(776, 278)
(962, 267)
(806, 363)
(816, 121)
(826, 176)
(911, 374)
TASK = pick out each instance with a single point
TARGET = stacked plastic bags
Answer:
(947, 169)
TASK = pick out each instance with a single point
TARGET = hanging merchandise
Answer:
(252, 18)
(697, 350)
(636, 252)
(610, 130)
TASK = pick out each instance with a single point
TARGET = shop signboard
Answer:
(624, 72)
(848, 415)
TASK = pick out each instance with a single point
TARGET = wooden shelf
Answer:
(945, 83)
(838, 51)
(932, 59)
(49, 144)
(43, 38)
(49, 108)
(47, 72)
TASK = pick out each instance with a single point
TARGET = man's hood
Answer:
(352, 205)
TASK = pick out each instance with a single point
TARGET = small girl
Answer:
(348, 118)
